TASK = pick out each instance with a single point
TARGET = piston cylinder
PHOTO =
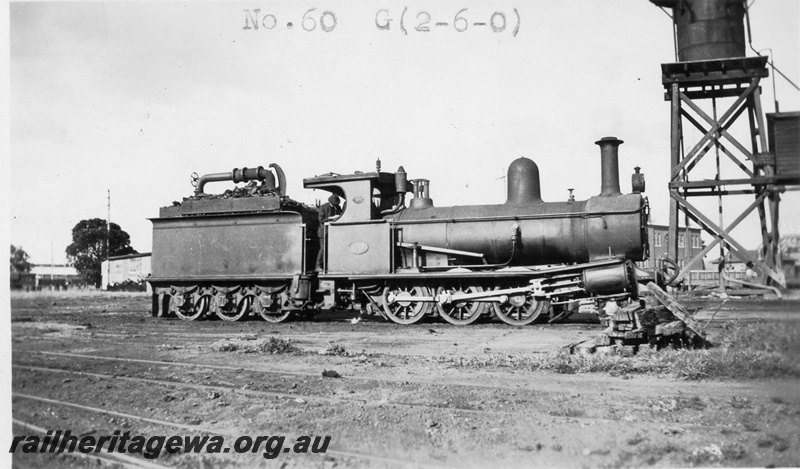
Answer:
(605, 280)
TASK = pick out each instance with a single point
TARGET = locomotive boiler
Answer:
(514, 261)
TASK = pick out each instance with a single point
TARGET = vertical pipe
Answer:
(686, 250)
(675, 156)
(108, 244)
(772, 238)
(609, 165)
(675, 37)
(774, 205)
(719, 196)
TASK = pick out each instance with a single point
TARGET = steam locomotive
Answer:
(519, 261)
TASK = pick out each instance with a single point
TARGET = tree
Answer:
(19, 260)
(89, 247)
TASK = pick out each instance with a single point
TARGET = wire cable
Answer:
(750, 43)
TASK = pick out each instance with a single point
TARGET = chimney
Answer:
(609, 165)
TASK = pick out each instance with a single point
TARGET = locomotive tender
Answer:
(517, 261)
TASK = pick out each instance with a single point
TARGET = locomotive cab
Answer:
(368, 196)
(361, 240)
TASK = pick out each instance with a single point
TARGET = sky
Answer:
(131, 98)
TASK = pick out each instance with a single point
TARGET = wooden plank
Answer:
(633, 335)
(602, 340)
(753, 181)
(676, 308)
(670, 328)
(586, 348)
(714, 72)
(702, 93)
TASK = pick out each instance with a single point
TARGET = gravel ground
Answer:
(387, 395)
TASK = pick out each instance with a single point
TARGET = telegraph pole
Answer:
(108, 242)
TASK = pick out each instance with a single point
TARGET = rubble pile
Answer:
(645, 326)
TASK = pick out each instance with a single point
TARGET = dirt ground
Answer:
(97, 363)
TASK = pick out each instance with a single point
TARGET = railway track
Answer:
(111, 459)
(309, 397)
(153, 385)
(544, 382)
(202, 387)
(265, 370)
(258, 393)
(135, 462)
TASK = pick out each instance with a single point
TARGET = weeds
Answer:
(225, 347)
(276, 345)
(711, 454)
(334, 349)
(272, 345)
(775, 442)
(734, 451)
(567, 412)
(742, 351)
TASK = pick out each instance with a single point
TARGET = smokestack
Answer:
(609, 165)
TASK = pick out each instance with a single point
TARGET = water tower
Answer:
(712, 69)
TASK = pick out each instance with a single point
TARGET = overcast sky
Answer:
(135, 96)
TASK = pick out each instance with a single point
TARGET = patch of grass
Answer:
(635, 439)
(225, 347)
(706, 456)
(733, 451)
(334, 349)
(567, 412)
(761, 336)
(739, 402)
(277, 345)
(775, 442)
(272, 345)
(756, 350)
(655, 452)
(743, 350)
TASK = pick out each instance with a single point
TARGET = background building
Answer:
(689, 244)
(127, 272)
(707, 275)
(47, 277)
(790, 258)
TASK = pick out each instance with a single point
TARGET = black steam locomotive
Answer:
(518, 261)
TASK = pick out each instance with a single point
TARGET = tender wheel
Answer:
(401, 307)
(230, 309)
(520, 310)
(460, 313)
(190, 307)
(274, 310)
